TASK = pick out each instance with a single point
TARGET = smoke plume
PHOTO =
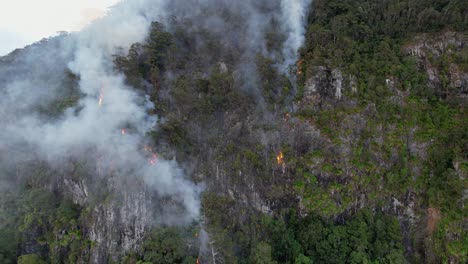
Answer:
(294, 14)
(110, 118)
(106, 105)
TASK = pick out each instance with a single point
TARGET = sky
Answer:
(23, 22)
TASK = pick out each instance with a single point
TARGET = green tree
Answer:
(31, 259)
(261, 254)
(164, 246)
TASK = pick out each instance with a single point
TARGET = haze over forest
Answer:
(219, 131)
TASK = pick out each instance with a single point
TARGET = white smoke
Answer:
(89, 124)
(89, 55)
(294, 16)
(245, 29)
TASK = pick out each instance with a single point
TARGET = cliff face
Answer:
(355, 153)
(118, 224)
(341, 154)
(355, 127)
(431, 52)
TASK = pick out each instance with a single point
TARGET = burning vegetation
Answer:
(153, 156)
(280, 158)
(280, 161)
(299, 67)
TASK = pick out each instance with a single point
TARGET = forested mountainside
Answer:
(354, 151)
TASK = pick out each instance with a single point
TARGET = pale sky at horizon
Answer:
(23, 22)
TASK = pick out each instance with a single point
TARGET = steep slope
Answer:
(355, 153)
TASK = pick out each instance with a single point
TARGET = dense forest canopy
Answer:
(355, 153)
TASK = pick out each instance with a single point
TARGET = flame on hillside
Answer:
(153, 159)
(280, 161)
(299, 67)
(280, 158)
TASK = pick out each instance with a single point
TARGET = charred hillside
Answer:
(248, 132)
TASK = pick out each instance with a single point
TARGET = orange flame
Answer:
(198, 260)
(299, 67)
(123, 131)
(280, 158)
(154, 156)
(154, 159)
